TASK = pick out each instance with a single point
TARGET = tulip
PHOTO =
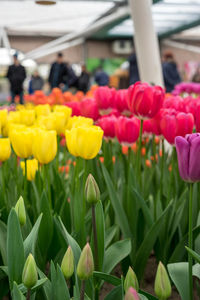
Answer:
(27, 117)
(85, 266)
(22, 142)
(84, 142)
(67, 265)
(46, 122)
(20, 210)
(121, 101)
(107, 124)
(32, 168)
(3, 117)
(162, 285)
(59, 121)
(174, 124)
(79, 122)
(64, 109)
(105, 97)
(144, 100)
(30, 275)
(5, 149)
(127, 130)
(131, 280)
(92, 192)
(44, 145)
(42, 110)
(75, 106)
(89, 109)
(131, 294)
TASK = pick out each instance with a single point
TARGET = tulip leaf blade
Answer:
(115, 253)
(117, 206)
(108, 278)
(16, 293)
(116, 293)
(194, 254)
(100, 233)
(59, 287)
(144, 207)
(30, 241)
(148, 296)
(180, 277)
(3, 237)
(109, 235)
(15, 249)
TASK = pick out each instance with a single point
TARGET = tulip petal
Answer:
(183, 151)
(194, 162)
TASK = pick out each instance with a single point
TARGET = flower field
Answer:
(98, 181)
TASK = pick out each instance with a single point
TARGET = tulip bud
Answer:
(85, 266)
(20, 210)
(92, 190)
(30, 275)
(131, 294)
(131, 280)
(162, 286)
(67, 265)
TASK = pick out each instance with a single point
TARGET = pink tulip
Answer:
(89, 109)
(75, 108)
(105, 97)
(131, 294)
(121, 100)
(127, 130)
(107, 123)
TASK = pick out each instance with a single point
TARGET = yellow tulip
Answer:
(5, 149)
(84, 141)
(42, 110)
(14, 116)
(79, 122)
(65, 109)
(44, 145)
(47, 122)
(22, 142)
(27, 117)
(3, 117)
(13, 126)
(32, 167)
(60, 121)
(20, 107)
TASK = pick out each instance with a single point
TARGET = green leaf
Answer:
(59, 285)
(16, 293)
(144, 207)
(142, 297)
(115, 253)
(36, 287)
(3, 237)
(146, 247)
(110, 233)
(30, 241)
(117, 205)
(70, 241)
(116, 293)
(100, 233)
(15, 249)
(149, 296)
(108, 278)
(47, 285)
(196, 270)
(194, 254)
(179, 275)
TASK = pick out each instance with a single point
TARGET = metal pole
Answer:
(146, 42)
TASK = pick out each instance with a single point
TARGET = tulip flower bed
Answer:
(89, 186)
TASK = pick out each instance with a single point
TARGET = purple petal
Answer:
(183, 151)
(191, 137)
(194, 161)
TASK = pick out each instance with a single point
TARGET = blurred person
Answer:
(101, 77)
(196, 76)
(58, 73)
(170, 72)
(83, 80)
(71, 79)
(16, 75)
(36, 83)
(133, 69)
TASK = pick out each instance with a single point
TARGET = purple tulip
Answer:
(188, 152)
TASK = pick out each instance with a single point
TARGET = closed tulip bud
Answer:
(131, 280)
(131, 294)
(20, 210)
(85, 266)
(92, 192)
(30, 275)
(162, 286)
(67, 265)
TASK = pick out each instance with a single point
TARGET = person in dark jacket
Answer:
(170, 72)
(133, 69)
(58, 72)
(16, 75)
(36, 83)
(101, 77)
(83, 80)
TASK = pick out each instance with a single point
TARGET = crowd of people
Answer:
(62, 75)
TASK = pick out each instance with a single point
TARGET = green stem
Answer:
(96, 261)
(48, 184)
(82, 293)
(3, 182)
(138, 169)
(28, 295)
(25, 180)
(190, 241)
(162, 170)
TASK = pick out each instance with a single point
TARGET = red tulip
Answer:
(75, 108)
(175, 102)
(176, 124)
(105, 97)
(144, 100)
(121, 100)
(89, 109)
(107, 123)
(127, 130)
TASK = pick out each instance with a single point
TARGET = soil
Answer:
(147, 284)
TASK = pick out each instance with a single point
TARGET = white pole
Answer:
(146, 42)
